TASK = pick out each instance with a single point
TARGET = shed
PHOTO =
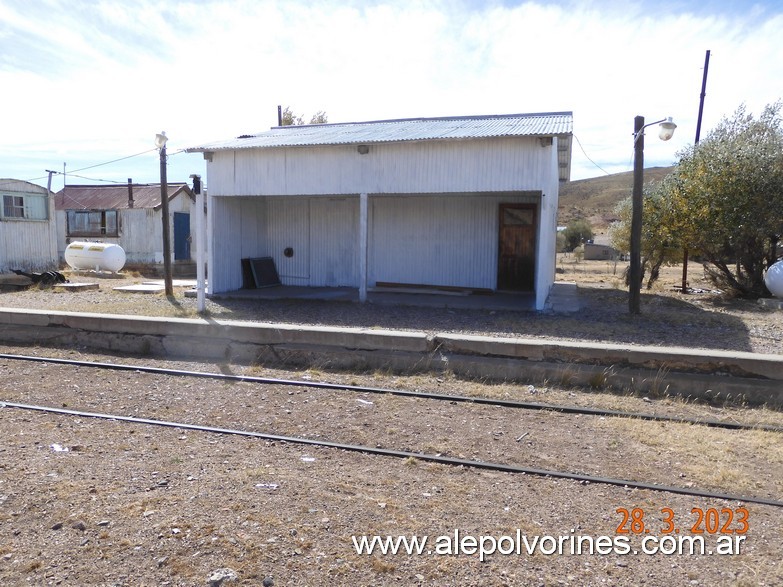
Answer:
(28, 236)
(128, 215)
(456, 202)
(600, 252)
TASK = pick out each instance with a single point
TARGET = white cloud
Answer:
(94, 81)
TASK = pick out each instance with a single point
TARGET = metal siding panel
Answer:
(140, 235)
(444, 167)
(27, 245)
(252, 229)
(225, 266)
(289, 226)
(432, 240)
(437, 240)
(333, 238)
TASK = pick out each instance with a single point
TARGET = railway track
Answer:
(387, 452)
(565, 409)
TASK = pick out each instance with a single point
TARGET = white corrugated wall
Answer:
(334, 227)
(395, 168)
(28, 245)
(449, 240)
(437, 240)
(288, 227)
(224, 217)
(547, 235)
(440, 235)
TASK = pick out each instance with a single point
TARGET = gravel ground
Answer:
(100, 502)
(702, 320)
(107, 503)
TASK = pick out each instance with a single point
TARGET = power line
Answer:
(578, 142)
(113, 161)
(91, 178)
(73, 173)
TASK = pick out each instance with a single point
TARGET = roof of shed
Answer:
(115, 197)
(410, 129)
(8, 184)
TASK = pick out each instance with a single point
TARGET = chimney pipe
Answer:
(130, 192)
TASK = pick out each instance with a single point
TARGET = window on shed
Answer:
(27, 206)
(92, 222)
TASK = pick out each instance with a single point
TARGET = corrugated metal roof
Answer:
(411, 129)
(114, 197)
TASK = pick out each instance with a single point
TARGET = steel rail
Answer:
(563, 409)
(451, 461)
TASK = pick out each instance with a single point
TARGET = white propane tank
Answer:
(98, 256)
(774, 279)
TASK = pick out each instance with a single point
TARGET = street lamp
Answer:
(666, 132)
(160, 143)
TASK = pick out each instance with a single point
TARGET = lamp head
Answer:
(666, 129)
(160, 139)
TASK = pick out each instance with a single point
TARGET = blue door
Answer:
(181, 236)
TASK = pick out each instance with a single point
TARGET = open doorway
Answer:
(517, 236)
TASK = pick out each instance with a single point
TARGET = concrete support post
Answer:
(363, 232)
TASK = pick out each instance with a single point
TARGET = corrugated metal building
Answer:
(28, 236)
(461, 202)
(128, 215)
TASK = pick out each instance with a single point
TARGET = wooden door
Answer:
(517, 247)
(181, 236)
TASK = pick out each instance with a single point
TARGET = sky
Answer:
(86, 85)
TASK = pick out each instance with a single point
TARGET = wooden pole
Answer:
(637, 204)
(698, 134)
(164, 200)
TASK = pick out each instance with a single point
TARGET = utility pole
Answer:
(160, 142)
(696, 142)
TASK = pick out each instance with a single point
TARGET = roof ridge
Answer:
(421, 119)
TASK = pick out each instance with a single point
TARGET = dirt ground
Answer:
(86, 501)
(706, 319)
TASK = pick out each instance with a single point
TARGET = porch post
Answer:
(362, 247)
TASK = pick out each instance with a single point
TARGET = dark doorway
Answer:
(517, 247)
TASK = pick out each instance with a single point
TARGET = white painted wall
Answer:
(437, 240)
(547, 232)
(414, 236)
(29, 245)
(480, 165)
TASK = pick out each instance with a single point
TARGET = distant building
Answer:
(28, 235)
(596, 252)
(128, 215)
(459, 202)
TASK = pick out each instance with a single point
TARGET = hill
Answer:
(595, 199)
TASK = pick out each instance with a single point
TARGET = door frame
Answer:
(534, 255)
(181, 237)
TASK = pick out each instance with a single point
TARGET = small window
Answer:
(517, 216)
(27, 207)
(13, 206)
(92, 223)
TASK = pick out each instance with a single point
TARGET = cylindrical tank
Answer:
(774, 279)
(98, 256)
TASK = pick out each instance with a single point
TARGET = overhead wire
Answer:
(578, 142)
(73, 172)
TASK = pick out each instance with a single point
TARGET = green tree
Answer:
(730, 197)
(289, 118)
(661, 231)
(577, 232)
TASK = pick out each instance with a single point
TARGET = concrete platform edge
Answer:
(755, 379)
